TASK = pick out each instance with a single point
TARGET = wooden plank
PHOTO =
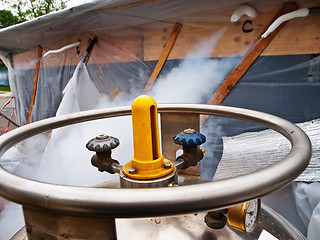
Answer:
(252, 54)
(300, 36)
(123, 46)
(35, 83)
(163, 58)
(114, 93)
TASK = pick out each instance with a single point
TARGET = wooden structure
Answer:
(142, 33)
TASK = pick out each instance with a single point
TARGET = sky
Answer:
(71, 3)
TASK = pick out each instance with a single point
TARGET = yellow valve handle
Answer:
(147, 162)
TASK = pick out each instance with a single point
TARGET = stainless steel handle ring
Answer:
(162, 201)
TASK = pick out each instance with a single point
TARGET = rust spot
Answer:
(164, 30)
(247, 43)
(237, 39)
(163, 38)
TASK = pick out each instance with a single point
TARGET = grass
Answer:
(5, 88)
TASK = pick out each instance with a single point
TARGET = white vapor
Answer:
(66, 160)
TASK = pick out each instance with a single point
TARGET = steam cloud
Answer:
(65, 159)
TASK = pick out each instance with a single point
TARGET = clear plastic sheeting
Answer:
(102, 15)
(130, 37)
(78, 86)
(110, 78)
(81, 93)
(307, 197)
(25, 156)
(116, 63)
(63, 158)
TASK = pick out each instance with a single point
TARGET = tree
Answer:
(7, 18)
(29, 9)
(2, 66)
(24, 10)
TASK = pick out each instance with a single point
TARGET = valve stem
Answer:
(192, 154)
(102, 145)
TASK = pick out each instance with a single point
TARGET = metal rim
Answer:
(161, 201)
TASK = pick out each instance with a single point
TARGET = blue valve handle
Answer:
(189, 138)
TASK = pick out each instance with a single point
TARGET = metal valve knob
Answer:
(102, 143)
(190, 138)
(192, 154)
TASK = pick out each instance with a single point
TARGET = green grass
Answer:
(5, 88)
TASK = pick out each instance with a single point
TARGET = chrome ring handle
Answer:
(161, 201)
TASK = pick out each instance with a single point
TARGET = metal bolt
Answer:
(101, 137)
(189, 131)
(132, 171)
(167, 166)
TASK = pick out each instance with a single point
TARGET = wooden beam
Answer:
(35, 83)
(248, 59)
(127, 5)
(163, 58)
(115, 92)
(299, 36)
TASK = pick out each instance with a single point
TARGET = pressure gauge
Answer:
(243, 217)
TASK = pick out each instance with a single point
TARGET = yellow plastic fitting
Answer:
(147, 162)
